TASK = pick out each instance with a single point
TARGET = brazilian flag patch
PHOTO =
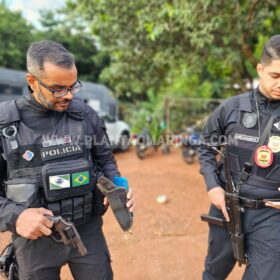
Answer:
(80, 179)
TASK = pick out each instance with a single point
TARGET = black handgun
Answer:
(213, 220)
(67, 233)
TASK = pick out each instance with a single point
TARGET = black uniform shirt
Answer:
(222, 122)
(36, 117)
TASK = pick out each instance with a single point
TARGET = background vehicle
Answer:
(99, 97)
(190, 142)
(146, 140)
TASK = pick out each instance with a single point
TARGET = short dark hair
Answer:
(271, 50)
(47, 51)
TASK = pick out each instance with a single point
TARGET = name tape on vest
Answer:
(56, 141)
(246, 138)
(60, 151)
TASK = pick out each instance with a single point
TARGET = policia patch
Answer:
(60, 151)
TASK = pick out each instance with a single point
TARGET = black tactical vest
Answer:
(51, 168)
(243, 142)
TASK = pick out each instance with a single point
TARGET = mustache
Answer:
(64, 101)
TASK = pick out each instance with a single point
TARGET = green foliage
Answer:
(15, 36)
(178, 48)
(71, 33)
(145, 40)
(148, 50)
(148, 39)
(144, 109)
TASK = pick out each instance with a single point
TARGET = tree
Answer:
(72, 34)
(149, 39)
(15, 37)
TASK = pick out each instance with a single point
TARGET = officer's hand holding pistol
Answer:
(32, 223)
(217, 197)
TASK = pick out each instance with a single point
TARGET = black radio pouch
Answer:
(67, 189)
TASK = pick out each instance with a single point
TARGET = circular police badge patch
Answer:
(249, 120)
(263, 157)
(274, 144)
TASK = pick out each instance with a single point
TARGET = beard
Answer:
(52, 105)
(46, 103)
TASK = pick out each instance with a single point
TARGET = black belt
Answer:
(252, 203)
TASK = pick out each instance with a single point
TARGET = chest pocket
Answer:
(66, 179)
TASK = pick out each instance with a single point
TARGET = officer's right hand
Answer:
(217, 197)
(32, 223)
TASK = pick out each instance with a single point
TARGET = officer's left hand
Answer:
(273, 204)
(130, 200)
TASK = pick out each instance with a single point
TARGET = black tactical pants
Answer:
(42, 259)
(262, 229)
(262, 245)
(219, 261)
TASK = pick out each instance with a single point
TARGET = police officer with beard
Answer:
(53, 149)
(245, 120)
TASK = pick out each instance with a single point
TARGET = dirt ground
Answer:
(169, 241)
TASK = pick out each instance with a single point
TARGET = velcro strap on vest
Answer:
(35, 171)
(117, 197)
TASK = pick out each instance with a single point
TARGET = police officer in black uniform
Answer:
(53, 148)
(243, 121)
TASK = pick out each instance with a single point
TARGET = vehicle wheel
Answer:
(140, 152)
(189, 159)
(165, 149)
(155, 148)
(188, 155)
(124, 142)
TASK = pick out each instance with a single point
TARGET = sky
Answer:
(31, 8)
